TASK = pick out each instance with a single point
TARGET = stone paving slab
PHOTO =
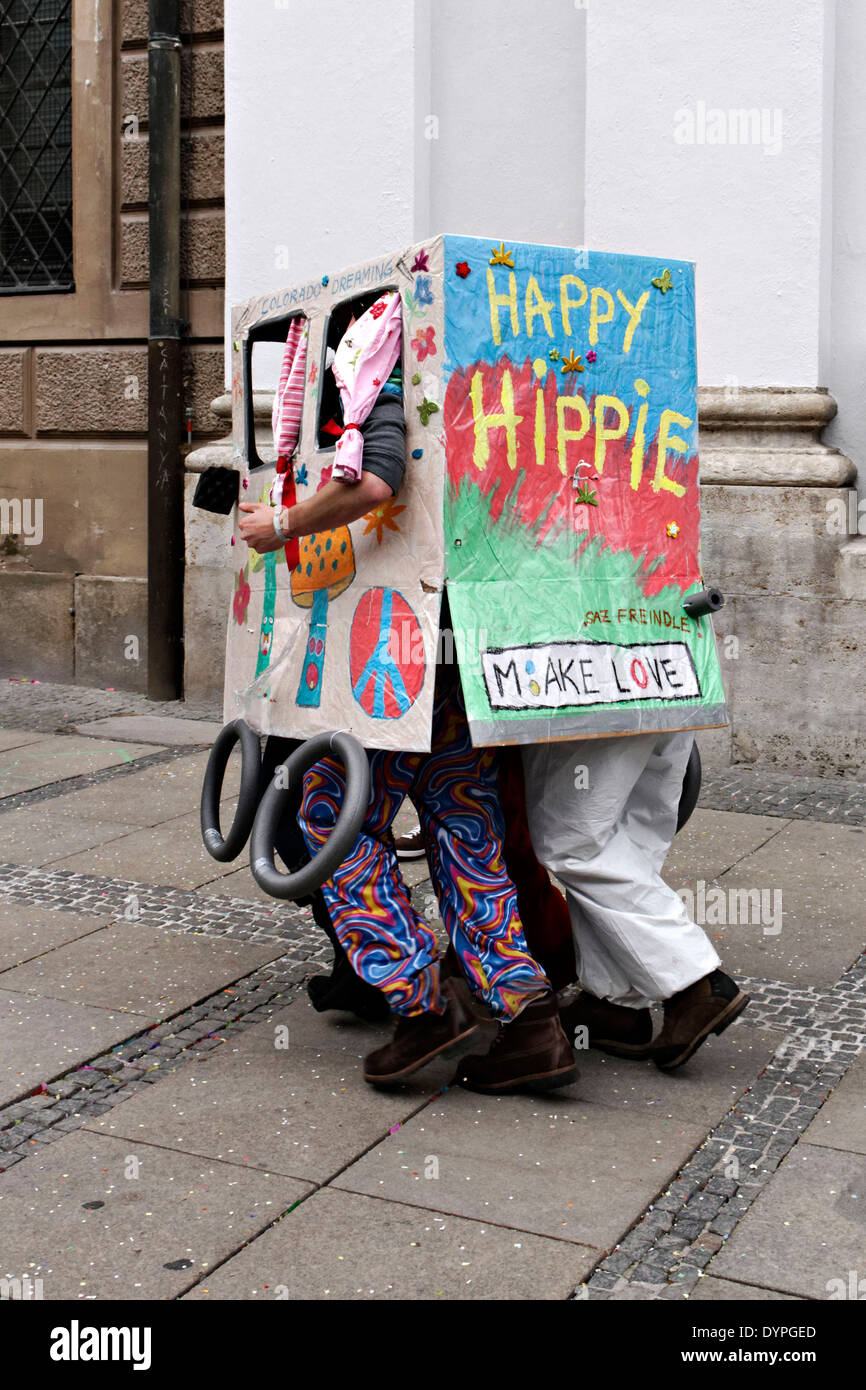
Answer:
(841, 1121)
(337, 1245)
(704, 1088)
(726, 1291)
(714, 841)
(17, 738)
(36, 835)
(237, 883)
(177, 1211)
(26, 932)
(170, 855)
(153, 795)
(152, 728)
(304, 1110)
(580, 1165)
(820, 872)
(806, 1229)
(61, 756)
(139, 969)
(43, 1038)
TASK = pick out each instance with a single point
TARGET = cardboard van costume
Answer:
(551, 482)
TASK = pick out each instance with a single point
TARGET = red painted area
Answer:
(627, 519)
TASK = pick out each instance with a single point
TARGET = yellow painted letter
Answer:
(595, 318)
(634, 312)
(602, 433)
(498, 299)
(565, 303)
(669, 441)
(639, 444)
(485, 423)
(537, 304)
(563, 433)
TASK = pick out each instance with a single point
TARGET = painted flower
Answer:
(425, 343)
(314, 372)
(381, 517)
(463, 269)
(422, 262)
(423, 290)
(242, 596)
(378, 310)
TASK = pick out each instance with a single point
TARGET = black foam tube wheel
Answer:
(342, 838)
(691, 787)
(229, 848)
(706, 601)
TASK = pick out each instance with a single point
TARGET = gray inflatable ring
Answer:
(229, 848)
(356, 800)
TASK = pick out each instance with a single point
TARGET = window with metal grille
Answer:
(35, 146)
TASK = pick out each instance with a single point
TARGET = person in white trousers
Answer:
(602, 814)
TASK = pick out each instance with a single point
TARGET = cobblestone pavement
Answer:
(820, 1031)
(46, 707)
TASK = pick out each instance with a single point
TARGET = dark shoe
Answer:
(417, 1040)
(529, 1052)
(612, 1028)
(410, 846)
(709, 1006)
(346, 991)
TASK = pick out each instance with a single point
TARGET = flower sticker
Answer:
(591, 356)
(422, 262)
(242, 596)
(572, 363)
(423, 290)
(426, 409)
(463, 269)
(381, 517)
(425, 343)
(301, 476)
(673, 530)
(501, 257)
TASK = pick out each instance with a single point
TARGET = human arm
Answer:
(336, 504)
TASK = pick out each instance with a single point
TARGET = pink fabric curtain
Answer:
(364, 360)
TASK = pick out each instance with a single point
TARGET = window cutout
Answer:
(264, 351)
(330, 422)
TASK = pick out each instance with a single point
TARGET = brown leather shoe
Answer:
(417, 1040)
(709, 1006)
(530, 1052)
(612, 1028)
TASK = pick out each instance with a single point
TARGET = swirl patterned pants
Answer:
(454, 788)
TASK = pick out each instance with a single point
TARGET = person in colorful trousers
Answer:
(455, 789)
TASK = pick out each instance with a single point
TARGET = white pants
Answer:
(602, 814)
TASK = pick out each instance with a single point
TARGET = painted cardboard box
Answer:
(552, 484)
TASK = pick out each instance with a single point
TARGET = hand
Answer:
(257, 527)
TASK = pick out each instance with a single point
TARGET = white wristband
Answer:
(278, 512)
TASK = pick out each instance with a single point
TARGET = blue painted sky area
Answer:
(661, 351)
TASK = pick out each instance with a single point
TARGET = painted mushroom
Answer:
(326, 568)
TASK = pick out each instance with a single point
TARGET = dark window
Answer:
(330, 406)
(35, 146)
(263, 356)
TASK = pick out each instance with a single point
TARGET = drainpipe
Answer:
(165, 420)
